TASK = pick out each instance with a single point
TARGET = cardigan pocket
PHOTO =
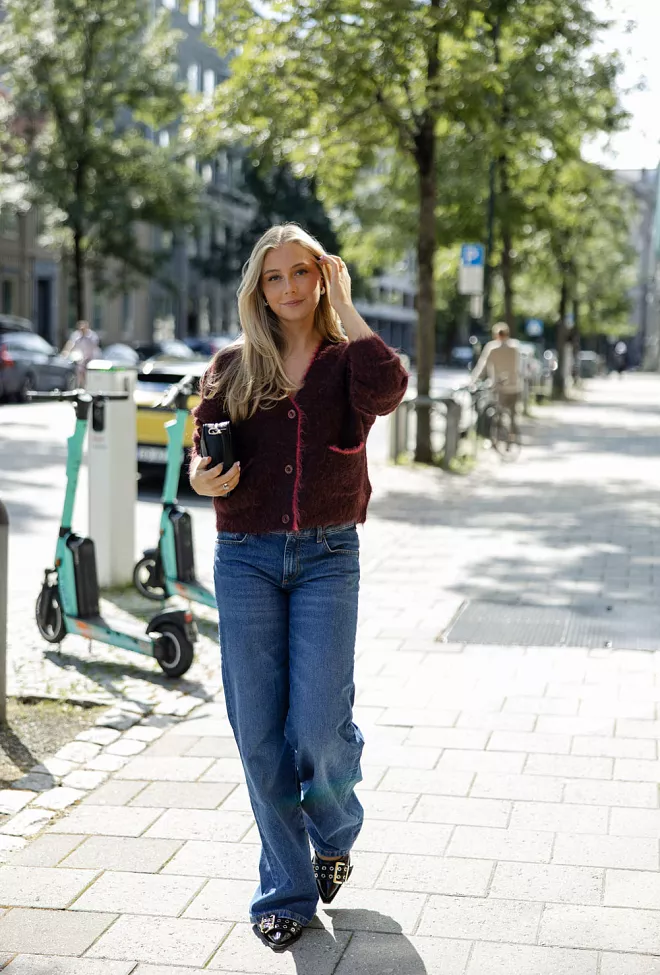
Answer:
(348, 450)
(345, 468)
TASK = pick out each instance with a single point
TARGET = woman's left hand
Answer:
(337, 282)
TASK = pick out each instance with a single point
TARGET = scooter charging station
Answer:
(112, 463)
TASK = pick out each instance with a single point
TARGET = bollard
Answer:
(451, 432)
(399, 430)
(4, 563)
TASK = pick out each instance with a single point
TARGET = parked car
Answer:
(12, 323)
(208, 344)
(121, 354)
(172, 348)
(28, 362)
(152, 381)
(461, 356)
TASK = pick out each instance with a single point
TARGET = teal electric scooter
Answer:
(69, 597)
(169, 569)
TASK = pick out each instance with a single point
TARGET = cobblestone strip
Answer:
(41, 796)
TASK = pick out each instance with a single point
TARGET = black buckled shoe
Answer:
(279, 933)
(330, 875)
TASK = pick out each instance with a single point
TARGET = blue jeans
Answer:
(288, 616)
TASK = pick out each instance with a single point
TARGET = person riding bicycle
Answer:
(501, 361)
(83, 346)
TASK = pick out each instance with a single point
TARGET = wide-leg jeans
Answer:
(288, 616)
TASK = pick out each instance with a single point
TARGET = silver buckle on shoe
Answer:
(341, 870)
(267, 923)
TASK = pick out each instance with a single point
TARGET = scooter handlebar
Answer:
(73, 395)
(170, 395)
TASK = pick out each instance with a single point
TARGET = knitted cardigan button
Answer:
(285, 519)
(288, 469)
(292, 414)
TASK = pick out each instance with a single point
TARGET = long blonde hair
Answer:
(250, 374)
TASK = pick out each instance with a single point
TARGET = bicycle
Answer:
(494, 422)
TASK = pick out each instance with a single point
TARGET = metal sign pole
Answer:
(4, 564)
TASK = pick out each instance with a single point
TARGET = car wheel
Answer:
(25, 387)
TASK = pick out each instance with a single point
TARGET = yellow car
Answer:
(153, 380)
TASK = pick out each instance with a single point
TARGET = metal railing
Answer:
(400, 425)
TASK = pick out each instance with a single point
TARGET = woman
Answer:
(302, 390)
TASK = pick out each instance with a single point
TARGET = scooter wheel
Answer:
(145, 575)
(50, 621)
(174, 651)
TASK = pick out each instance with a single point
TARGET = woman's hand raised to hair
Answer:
(210, 482)
(338, 285)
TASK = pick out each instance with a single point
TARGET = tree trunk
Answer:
(426, 244)
(79, 276)
(507, 242)
(559, 375)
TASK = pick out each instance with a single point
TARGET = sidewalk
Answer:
(511, 792)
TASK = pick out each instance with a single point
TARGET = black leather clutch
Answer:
(216, 443)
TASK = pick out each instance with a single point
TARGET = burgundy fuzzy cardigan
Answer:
(303, 461)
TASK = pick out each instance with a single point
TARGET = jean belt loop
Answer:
(319, 535)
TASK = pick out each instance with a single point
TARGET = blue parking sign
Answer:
(473, 255)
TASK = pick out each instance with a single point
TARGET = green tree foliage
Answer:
(89, 84)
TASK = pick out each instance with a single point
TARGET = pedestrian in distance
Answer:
(500, 360)
(83, 346)
(301, 389)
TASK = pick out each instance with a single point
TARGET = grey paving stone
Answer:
(223, 900)
(570, 766)
(165, 769)
(41, 932)
(539, 788)
(9, 846)
(607, 928)
(140, 732)
(107, 820)
(613, 963)
(59, 798)
(405, 756)
(582, 724)
(632, 853)
(632, 888)
(136, 893)
(224, 770)
(28, 822)
(126, 747)
(501, 844)
(35, 782)
(444, 783)
(635, 822)
(474, 761)
(542, 705)
(185, 795)
(436, 875)
(530, 742)
(201, 726)
(38, 965)
(42, 886)
(548, 882)
(138, 855)
(493, 959)
(375, 954)
(615, 747)
(160, 940)
(169, 745)
(162, 970)
(201, 824)
(47, 850)
(13, 800)
(114, 793)
(317, 951)
(383, 837)
(387, 805)
(214, 748)
(413, 717)
(448, 737)
(85, 779)
(105, 763)
(563, 817)
(609, 793)
(99, 736)
(207, 859)
(78, 751)
(468, 812)
(478, 917)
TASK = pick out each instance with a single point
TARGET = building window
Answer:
(210, 13)
(193, 13)
(7, 296)
(193, 78)
(209, 81)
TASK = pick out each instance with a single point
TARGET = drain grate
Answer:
(630, 626)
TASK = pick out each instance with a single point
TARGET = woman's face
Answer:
(291, 281)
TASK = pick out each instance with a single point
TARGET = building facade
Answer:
(29, 271)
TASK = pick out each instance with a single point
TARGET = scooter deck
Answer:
(131, 636)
